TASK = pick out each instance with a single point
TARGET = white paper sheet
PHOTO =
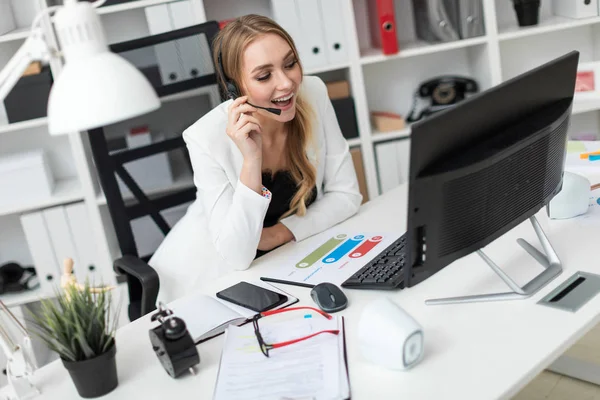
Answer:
(311, 369)
(335, 256)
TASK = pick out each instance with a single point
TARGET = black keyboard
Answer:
(383, 272)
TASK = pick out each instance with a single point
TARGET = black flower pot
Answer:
(94, 377)
(528, 12)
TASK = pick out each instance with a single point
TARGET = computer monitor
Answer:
(481, 168)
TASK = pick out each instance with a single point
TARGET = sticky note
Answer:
(575, 146)
(584, 156)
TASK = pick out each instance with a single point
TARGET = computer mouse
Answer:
(329, 297)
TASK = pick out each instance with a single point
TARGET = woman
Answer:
(264, 178)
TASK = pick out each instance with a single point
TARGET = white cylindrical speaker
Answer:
(390, 337)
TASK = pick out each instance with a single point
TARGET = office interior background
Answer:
(59, 185)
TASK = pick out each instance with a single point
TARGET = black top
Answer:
(283, 189)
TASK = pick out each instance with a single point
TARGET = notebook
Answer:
(315, 368)
(207, 316)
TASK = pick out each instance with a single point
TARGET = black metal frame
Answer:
(142, 280)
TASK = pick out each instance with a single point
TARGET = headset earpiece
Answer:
(232, 90)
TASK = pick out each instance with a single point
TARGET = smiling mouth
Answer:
(283, 101)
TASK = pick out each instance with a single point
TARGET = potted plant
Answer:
(78, 325)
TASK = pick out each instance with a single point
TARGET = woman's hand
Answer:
(244, 129)
(274, 236)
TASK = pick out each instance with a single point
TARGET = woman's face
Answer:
(271, 76)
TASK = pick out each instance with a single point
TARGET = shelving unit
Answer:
(17, 34)
(24, 125)
(550, 24)
(65, 191)
(378, 83)
(418, 48)
(132, 5)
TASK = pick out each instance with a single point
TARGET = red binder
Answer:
(383, 25)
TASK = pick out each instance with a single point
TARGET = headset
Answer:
(232, 90)
(15, 278)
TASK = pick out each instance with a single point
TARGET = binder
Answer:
(284, 13)
(168, 59)
(470, 14)
(312, 46)
(388, 170)
(42, 252)
(382, 20)
(60, 235)
(403, 159)
(436, 20)
(86, 266)
(335, 34)
(193, 51)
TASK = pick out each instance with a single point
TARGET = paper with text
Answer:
(312, 369)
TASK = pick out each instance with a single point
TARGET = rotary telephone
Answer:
(442, 92)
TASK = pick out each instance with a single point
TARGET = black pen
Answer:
(308, 285)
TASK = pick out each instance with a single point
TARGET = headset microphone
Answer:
(232, 90)
(276, 111)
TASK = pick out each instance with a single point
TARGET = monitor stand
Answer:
(550, 262)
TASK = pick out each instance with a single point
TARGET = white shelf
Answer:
(17, 34)
(353, 142)
(132, 5)
(65, 191)
(205, 90)
(183, 181)
(17, 126)
(382, 136)
(582, 106)
(370, 56)
(30, 296)
(551, 24)
(326, 68)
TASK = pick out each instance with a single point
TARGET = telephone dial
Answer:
(442, 92)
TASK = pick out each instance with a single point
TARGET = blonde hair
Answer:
(231, 42)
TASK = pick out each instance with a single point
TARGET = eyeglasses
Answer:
(265, 347)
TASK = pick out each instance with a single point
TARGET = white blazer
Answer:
(221, 229)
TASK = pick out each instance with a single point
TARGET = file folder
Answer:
(42, 252)
(470, 15)
(86, 266)
(382, 19)
(60, 235)
(335, 34)
(168, 59)
(194, 50)
(313, 50)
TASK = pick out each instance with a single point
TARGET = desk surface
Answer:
(472, 351)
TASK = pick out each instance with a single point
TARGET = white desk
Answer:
(473, 351)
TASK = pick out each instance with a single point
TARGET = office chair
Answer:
(142, 279)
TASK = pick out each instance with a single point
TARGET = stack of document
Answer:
(311, 369)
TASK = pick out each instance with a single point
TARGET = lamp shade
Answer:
(96, 91)
(96, 87)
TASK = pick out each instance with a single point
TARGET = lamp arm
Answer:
(34, 49)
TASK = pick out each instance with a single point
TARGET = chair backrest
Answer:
(150, 54)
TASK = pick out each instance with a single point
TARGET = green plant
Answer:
(77, 324)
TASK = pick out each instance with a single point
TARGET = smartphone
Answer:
(253, 297)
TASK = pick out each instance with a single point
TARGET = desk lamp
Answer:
(16, 345)
(96, 87)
